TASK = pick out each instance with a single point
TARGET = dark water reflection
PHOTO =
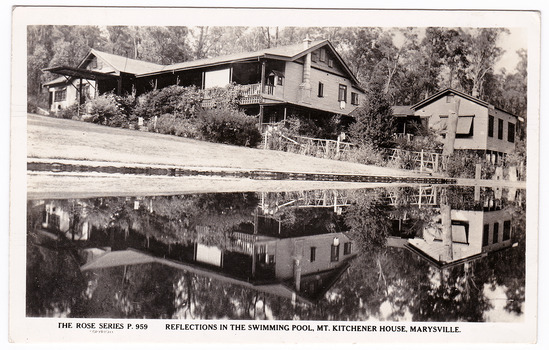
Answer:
(427, 253)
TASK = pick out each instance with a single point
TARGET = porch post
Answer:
(79, 97)
(119, 87)
(262, 77)
(261, 118)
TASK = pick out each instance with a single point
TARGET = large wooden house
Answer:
(309, 78)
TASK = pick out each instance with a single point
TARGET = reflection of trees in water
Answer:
(54, 282)
(382, 282)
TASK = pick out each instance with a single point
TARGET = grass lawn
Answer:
(68, 139)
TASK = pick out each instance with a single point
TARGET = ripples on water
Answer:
(421, 253)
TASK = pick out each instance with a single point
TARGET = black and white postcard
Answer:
(238, 175)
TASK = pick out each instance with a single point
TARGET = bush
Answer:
(228, 125)
(169, 124)
(178, 101)
(367, 154)
(462, 164)
(323, 128)
(71, 112)
(105, 110)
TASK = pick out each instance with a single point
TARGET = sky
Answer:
(515, 40)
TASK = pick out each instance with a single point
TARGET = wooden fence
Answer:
(336, 149)
(423, 161)
(322, 148)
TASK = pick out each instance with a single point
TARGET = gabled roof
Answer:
(123, 64)
(285, 53)
(288, 52)
(448, 91)
(58, 80)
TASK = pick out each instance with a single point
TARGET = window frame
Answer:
(334, 253)
(491, 124)
(320, 89)
(323, 56)
(347, 248)
(495, 235)
(342, 87)
(500, 129)
(312, 256)
(60, 95)
(354, 98)
(511, 127)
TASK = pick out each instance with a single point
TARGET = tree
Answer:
(482, 54)
(374, 123)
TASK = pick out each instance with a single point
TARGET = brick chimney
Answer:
(305, 86)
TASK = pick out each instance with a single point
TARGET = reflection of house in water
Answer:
(455, 236)
(302, 268)
(299, 260)
(474, 234)
(58, 219)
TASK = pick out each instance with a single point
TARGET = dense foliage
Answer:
(228, 125)
(408, 63)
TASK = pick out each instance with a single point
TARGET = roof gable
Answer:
(121, 63)
(287, 53)
(448, 91)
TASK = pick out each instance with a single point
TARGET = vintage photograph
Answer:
(364, 174)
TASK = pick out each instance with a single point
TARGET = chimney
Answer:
(305, 85)
(306, 42)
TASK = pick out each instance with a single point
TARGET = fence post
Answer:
(435, 166)
(421, 162)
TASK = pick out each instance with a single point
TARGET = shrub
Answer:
(179, 101)
(105, 110)
(169, 124)
(228, 125)
(71, 112)
(317, 127)
(367, 154)
(462, 164)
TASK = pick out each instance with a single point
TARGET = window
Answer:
(342, 96)
(330, 63)
(485, 235)
(347, 248)
(449, 98)
(314, 56)
(354, 98)
(506, 230)
(491, 126)
(322, 55)
(511, 132)
(496, 233)
(465, 126)
(320, 89)
(278, 80)
(500, 129)
(313, 254)
(60, 95)
(334, 253)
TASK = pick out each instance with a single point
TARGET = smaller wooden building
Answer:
(470, 123)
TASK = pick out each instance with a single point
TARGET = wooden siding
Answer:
(329, 102)
(285, 254)
(494, 143)
(480, 139)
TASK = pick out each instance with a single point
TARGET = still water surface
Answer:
(418, 253)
